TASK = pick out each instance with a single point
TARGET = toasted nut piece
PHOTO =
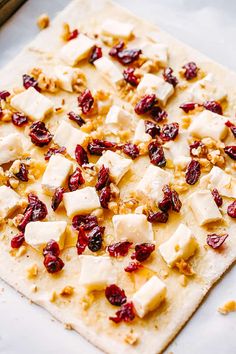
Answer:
(229, 306)
(67, 291)
(43, 21)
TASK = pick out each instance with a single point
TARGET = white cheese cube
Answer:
(81, 201)
(108, 69)
(76, 50)
(57, 171)
(150, 186)
(154, 84)
(118, 119)
(39, 233)
(208, 124)
(157, 52)
(117, 29)
(222, 181)
(140, 136)
(207, 89)
(117, 164)
(96, 273)
(181, 245)
(149, 296)
(32, 103)
(178, 151)
(10, 148)
(9, 201)
(68, 136)
(132, 227)
(204, 207)
(65, 76)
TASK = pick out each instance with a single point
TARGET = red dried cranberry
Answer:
(4, 94)
(95, 238)
(81, 155)
(145, 104)
(128, 56)
(29, 81)
(82, 241)
(26, 218)
(169, 131)
(19, 119)
(230, 150)
(231, 210)
(191, 70)
(53, 151)
(75, 180)
(57, 198)
(73, 34)
(133, 267)
(193, 172)
(126, 313)
(39, 134)
(165, 204)
(85, 101)
(22, 175)
(88, 222)
(217, 197)
(156, 154)
(103, 178)
(213, 106)
(215, 241)
(98, 146)
(232, 127)
(131, 150)
(176, 202)
(152, 128)
(116, 49)
(143, 251)
(52, 263)
(105, 196)
(195, 146)
(96, 54)
(187, 107)
(129, 77)
(76, 118)
(51, 247)
(39, 211)
(159, 216)
(169, 77)
(119, 249)
(18, 240)
(158, 114)
(115, 295)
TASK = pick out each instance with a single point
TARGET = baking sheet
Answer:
(210, 27)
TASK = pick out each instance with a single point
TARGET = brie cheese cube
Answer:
(149, 296)
(57, 171)
(204, 207)
(9, 201)
(32, 103)
(154, 84)
(76, 50)
(108, 69)
(150, 186)
(157, 52)
(208, 124)
(81, 201)
(181, 245)
(140, 136)
(207, 89)
(178, 151)
(132, 227)
(68, 136)
(117, 29)
(10, 148)
(39, 233)
(118, 119)
(117, 164)
(222, 181)
(65, 76)
(96, 273)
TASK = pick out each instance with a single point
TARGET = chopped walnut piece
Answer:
(131, 338)
(20, 251)
(65, 32)
(229, 306)
(216, 158)
(184, 268)
(86, 301)
(32, 271)
(67, 291)
(43, 21)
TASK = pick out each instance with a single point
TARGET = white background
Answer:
(206, 25)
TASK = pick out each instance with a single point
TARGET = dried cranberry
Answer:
(76, 118)
(143, 251)
(75, 180)
(119, 249)
(57, 198)
(128, 56)
(191, 70)
(187, 107)
(96, 54)
(169, 77)
(165, 204)
(231, 210)
(4, 94)
(81, 155)
(98, 146)
(82, 241)
(115, 295)
(213, 106)
(156, 154)
(145, 104)
(29, 81)
(22, 175)
(95, 238)
(193, 172)
(116, 49)
(217, 197)
(159, 216)
(18, 240)
(215, 241)
(152, 128)
(39, 134)
(73, 34)
(103, 178)
(232, 127)
(39, 211)
(85, 101)
(53, 151)
(131, 150)
(19, 119)
(195, 146)
(51, 247)
(169, 131)
(126, 313)
(129, 77)
(88, 222)
(133, 267)
(176, 203)
(230, 150)
(26, 218)
(52, 263)
(158, 114)
(105, 196)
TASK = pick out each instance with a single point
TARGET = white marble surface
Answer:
(208, 26)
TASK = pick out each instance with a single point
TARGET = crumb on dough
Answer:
(43, 21)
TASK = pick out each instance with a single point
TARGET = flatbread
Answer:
(89, 314)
